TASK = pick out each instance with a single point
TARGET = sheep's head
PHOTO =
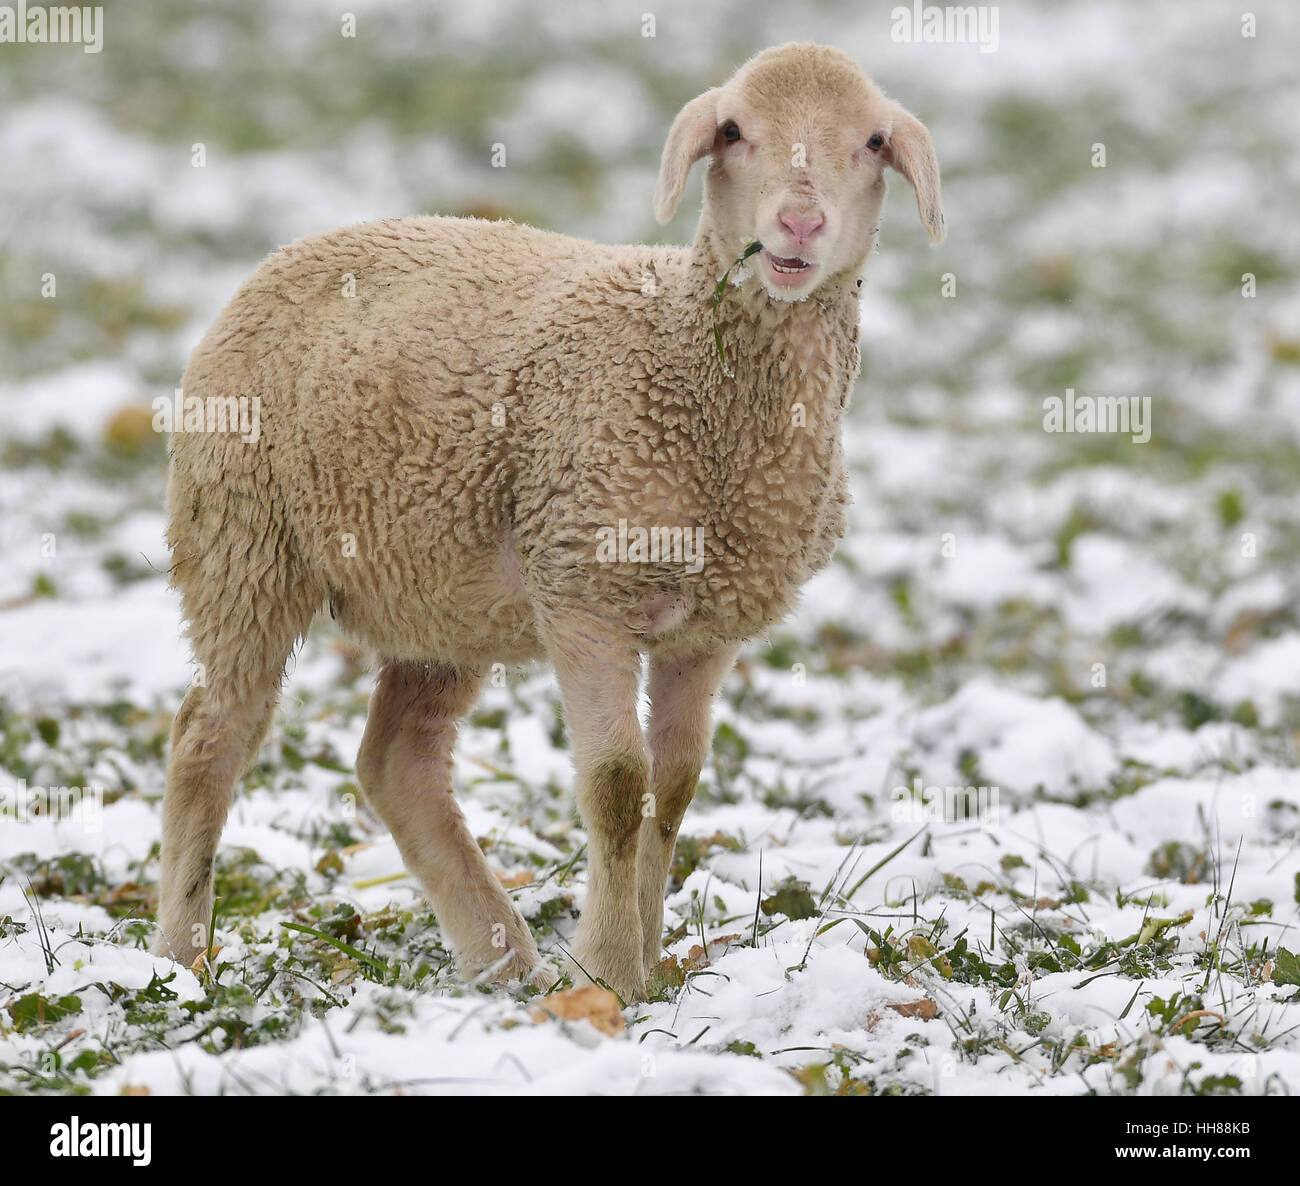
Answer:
(798, 141)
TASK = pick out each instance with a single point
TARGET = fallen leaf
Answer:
(698, 957)
(514, 880)
(666, 974)
(331, 862)
(134, 1089)
(589, 1003)
(920, 948)
(130, 429)
(1194, 1014)
(813, 1079)
(925, 1009)
(132, 894)
(72, 1037)
(203, 957)
(721, 839)
(1240, 633)
(923, 951)
(678, 932)
(791, 899)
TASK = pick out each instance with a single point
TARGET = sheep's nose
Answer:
(802, 226)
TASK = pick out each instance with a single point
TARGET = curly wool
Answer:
(456, 416)
(440, 451)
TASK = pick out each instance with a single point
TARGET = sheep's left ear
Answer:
(910, 152)
(689, 139)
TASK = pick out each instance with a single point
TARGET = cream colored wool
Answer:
(439, 453)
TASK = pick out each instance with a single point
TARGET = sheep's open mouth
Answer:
(788, 273)
(789, 266)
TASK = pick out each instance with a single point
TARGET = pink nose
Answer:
(802, 227)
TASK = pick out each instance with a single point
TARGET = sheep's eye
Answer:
(876, 142)
(731, 132)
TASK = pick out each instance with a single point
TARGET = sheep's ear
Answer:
(690, 138)
(911, 153)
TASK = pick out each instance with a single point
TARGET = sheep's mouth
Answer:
(792, 264)
(790, 270)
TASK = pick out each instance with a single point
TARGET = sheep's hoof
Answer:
(630, 984)
(542, 977)
(183, 953)
(527, 966)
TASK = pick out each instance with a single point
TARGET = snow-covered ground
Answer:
(1100, 636)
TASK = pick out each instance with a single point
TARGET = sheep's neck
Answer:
(775, 348)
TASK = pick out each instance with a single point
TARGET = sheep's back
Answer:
(380, 355)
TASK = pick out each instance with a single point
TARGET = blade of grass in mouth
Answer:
(755, 246)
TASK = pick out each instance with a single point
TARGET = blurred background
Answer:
(1120, 281)
(140, 186)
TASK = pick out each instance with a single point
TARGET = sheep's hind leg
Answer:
(598, 683)
(405, 770)
(681, 718)
(246, 607)
(214, 739)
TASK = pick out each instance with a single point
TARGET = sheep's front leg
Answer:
(681, 718)
(598, 682)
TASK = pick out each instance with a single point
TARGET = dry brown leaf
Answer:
(721, 839)
(72, 1037)
(698, 957)
(514, 880)
(813, 1079)
(133, 1089)
(1192, 1016)
(203, 957)
(925, 1009)
(589, 1003)
(143, 898)
(131, 891)
(1240, 633)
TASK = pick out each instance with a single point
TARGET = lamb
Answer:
(455, 414)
